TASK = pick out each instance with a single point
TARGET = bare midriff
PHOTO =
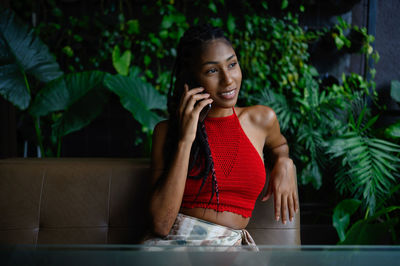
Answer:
(228, 219)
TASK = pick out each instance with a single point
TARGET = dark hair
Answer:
(189, 48)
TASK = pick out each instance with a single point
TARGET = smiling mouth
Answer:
(228, 93)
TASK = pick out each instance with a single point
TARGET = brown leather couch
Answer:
(95, 201)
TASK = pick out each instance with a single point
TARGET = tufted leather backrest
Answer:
(266, 231)
(72, 200)
(94, 201)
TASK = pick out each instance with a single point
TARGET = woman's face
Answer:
(218, 71)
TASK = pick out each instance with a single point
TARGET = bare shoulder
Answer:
(260, 116)
(161, 128)
(159, 136)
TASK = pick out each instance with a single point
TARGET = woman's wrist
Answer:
(283, 160)
(282, 163)
(184, 143)
(183, 150)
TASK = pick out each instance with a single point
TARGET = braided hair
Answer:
(189, 48)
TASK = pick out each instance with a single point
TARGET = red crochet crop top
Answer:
(239, 170)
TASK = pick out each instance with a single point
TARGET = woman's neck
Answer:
(220, 112)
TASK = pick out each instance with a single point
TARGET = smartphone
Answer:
(207, 108)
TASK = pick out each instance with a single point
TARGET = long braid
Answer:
(212, 169)
(189, 48)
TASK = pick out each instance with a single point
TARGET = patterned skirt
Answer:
(191, 231)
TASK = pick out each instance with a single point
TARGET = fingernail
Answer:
(277, 218)
(291, 219)
(284, 222)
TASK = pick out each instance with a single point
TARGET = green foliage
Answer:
(339, 36)
(368, 165)
(285, 4)
(307, 119)
(21, 54)
(72, 101)
(341, 215)
(139, 98)
(368, 231)
(393, 131)
(371, 231)
(273, 54)
(395, 90)
(121, 62)
(76, 99)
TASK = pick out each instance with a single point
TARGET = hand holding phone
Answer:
(204, 112)
(206, 109)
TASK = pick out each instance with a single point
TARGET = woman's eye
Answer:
(210, 71)
(232, 64)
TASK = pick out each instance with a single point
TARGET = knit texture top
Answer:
(239, 170)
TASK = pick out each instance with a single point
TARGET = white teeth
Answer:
(228, 93)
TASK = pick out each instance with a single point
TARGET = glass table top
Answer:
(178, 255)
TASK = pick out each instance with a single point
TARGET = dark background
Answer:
(113, 133)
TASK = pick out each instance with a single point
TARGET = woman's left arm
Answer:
(282, 182)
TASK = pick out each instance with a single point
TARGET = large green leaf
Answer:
(341, 216)
(138, 97)
(362, 233)
(371, 231)
(121, 62)
(22, 53)
(62, 93)
(80, 96)
(395, 90)
(393, 131)
(53, 97)
(81, 113)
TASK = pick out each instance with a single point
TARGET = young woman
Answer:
(208, 174)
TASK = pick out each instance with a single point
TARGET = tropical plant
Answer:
(307, 119)
(371, 230)
(138, 96)
(308, 112)
(25, 61)
(74, 101)
(273, 54)
(368, 170)
(393, 131)
(329, 128)
(368, 165)
(141, 99)
(67, 102)
(23, 56)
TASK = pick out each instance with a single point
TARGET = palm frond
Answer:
(369, 166)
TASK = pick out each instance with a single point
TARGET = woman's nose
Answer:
(226, 77)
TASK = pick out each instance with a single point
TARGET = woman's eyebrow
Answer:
(216, 62)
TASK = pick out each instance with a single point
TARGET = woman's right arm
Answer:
(167, 198)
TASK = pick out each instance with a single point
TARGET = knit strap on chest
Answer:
(224, 137)
(239, 175)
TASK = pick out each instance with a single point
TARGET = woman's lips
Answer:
(228, 94)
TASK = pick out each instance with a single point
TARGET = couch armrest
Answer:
(266, 230)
